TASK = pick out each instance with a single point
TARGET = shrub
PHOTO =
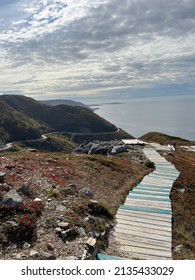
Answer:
(150, 164)
(24, 231)
(53, 193)
(100, 210)
(34, 207)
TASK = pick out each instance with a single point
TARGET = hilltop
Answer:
(54, 102)
(23, 118)
(165, 139)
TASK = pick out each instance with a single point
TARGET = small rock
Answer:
(50, 247)
(63, 234)
(26, 245)
(90, 218)
(97, 234)
(12, 223)
(81, 232)
(178, 248)
(38, 199)
(71, 258)
(21, 256)
(182, 190)
(58, 230)
(34, 254)
(25, 190)
(63, 225)
(47, 256)
(91, 243)
(93, 202)
(61, 208)
(86, 192)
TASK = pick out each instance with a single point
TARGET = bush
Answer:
(54, 193)
(100, 210)
(24, 231)
(150, 164)
(34, 207)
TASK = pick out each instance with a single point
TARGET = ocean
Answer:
(173, 115)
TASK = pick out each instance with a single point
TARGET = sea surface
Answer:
(173, 115)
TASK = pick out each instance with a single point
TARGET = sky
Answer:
(77, 48)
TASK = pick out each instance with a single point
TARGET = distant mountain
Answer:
(55, 102)
(25, 118)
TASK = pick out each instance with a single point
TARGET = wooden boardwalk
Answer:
(144, 222)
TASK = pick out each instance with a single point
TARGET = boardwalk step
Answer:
(152, 210)
(101, 256)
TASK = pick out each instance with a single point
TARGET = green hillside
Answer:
(25, 118)
(15, 125)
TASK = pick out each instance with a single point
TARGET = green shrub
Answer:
(150, 164)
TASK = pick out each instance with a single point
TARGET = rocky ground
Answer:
(62, 206)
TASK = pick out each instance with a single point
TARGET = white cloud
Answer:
(69, 45)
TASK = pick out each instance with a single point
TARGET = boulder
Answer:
(118, 149)
(102, 151)
(12, 198)
(93, 149)
(77, 151)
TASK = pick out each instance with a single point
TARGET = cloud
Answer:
(65, 45)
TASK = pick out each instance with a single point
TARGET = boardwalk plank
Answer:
(146, 251)
(142, 245)
(142, 239)
(133, 233)
(150, 222)
(144, 209)
(143, 228)
(148, 198)
(143, 223)
(149, 193)
(148, 204)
